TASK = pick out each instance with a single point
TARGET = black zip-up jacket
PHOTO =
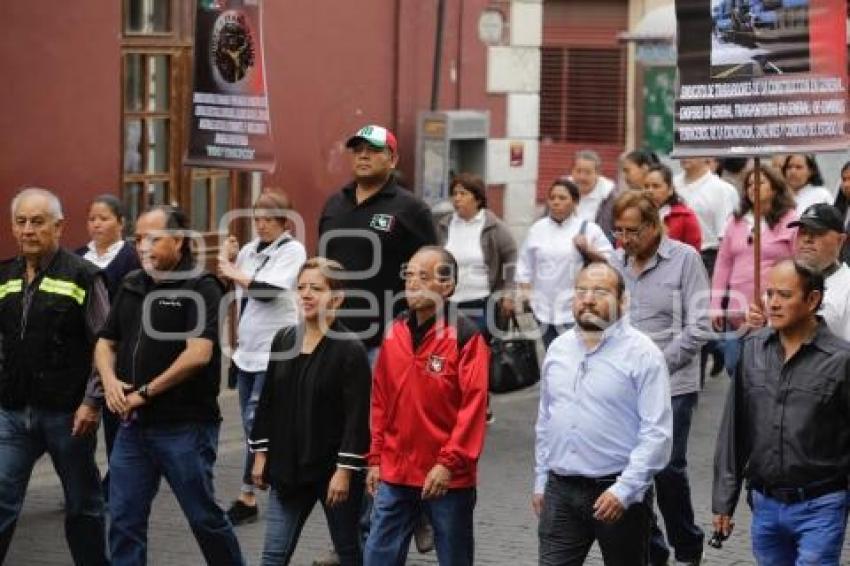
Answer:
(786, 424)
(145, 351)
(313, 413)
(401, 223)
(47, 340)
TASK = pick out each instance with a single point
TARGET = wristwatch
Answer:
(143, 392)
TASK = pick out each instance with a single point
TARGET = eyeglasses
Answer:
(596, 292)
(628, 233)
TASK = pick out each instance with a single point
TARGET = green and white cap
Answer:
(376, 136)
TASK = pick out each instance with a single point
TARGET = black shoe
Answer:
(717, 364)
(241, 514)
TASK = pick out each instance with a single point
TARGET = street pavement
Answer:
(505, 525)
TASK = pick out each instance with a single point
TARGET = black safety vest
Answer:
(46, 344)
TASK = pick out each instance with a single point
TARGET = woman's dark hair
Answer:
(841, 202)
(815, 177)
(472, 183)
(112, 203)
(667, 177)
(780, 204)
(330, 269)
(642, 157)
(733, 165)
(571, 187)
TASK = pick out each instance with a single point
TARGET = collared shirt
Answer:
(604, 411)
(713, 200)
(809, 195)
(588, 205)
(668, 301)
(786, 423)
(550, 261)
(268, 304)
(103, 260)
(835, 309)
(374, 239)
(465, 244)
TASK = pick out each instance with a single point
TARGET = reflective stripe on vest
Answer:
(66, 288)
(11, 286)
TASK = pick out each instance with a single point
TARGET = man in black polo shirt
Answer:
(372, 227)
(786, 428)
(158, 357)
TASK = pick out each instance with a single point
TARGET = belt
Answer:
(587, 480)
(799, 494)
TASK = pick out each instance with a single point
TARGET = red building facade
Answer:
(96, 96)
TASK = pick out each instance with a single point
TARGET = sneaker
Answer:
(491, 418)
(331, 558)
(423, 536)
(241, 514)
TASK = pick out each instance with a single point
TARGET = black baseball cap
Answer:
(822, 217)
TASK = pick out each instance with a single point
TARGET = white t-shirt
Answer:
(103, 261)
(810, 195)
(713, 200)
(835, 308)
(550, 261)
(464, 242)
(588, 205)
(277, 265)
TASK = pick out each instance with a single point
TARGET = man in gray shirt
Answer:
(669, 291)
(786, 428)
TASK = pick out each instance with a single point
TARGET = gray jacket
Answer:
(497, 245)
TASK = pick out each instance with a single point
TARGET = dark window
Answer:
(582, 96)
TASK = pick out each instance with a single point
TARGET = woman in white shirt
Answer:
(803, 176)
(264, 275)
(552, 255)
(484, 249)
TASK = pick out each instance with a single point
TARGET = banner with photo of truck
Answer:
(758, 77)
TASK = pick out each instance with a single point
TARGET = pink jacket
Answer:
(734, 267)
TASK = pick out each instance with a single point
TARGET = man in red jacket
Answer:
(429, 401)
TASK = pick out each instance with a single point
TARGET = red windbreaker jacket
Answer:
(429, 405)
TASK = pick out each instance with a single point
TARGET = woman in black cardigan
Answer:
(311, 428)
(116, 258)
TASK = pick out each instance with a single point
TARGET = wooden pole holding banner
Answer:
(757, 231)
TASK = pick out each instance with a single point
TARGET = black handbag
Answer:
(513, 359)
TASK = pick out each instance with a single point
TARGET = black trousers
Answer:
(567, 528)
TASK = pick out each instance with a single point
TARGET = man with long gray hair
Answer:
(52, 305)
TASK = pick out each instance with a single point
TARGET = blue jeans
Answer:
(185, 454)
(250, 385)
(396, 510)
(674, 492)
(731, 348)
(287, 514)
(807, 533)
(25, 435)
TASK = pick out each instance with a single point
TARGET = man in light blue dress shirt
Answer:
(604, 429)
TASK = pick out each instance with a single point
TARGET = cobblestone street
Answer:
(505, 525)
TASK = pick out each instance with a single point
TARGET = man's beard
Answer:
(594, 323)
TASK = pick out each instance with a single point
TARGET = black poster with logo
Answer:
(758, 77)
(230, 124)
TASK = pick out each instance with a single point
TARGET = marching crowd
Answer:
(362, 371)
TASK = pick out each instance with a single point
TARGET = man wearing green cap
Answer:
(372, 227)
